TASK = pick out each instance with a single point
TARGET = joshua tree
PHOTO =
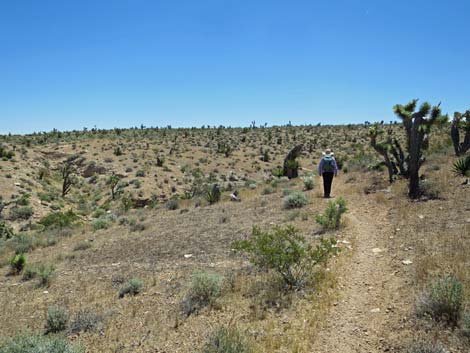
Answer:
(417, 125)
(67, 170)
(291, 165)
(384, 149)
(458, 123)
(113, 182)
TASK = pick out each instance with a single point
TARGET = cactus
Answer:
(417, 126)
(458, 123)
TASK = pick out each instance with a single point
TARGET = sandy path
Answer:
(361, 319)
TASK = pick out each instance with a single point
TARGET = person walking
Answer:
(327, 169)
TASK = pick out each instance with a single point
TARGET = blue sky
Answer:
(118, 63)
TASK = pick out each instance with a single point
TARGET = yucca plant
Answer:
(461, 167)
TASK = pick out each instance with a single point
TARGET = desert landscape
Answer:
(196, 240)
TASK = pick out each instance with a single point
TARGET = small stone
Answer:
(187, 256)
(45, 292)
(420, 216)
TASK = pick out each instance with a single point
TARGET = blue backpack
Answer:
(328, 164)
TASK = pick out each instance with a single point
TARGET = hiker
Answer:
(327, 169)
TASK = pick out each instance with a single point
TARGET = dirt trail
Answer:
(361, 319)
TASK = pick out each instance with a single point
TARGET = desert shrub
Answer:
(101, 223)
(24, 243)
(24, 213)
(204, 290)
(6, 232)
(267, 190)
(23, 200)
(57, 319)
(331, 218)
(48, 196)
(83, 245)
(131, 287)
(286, 252)
(309, 182)
(126, 202)
(172, 204)
(17, 263)
(29, 272)
(430, 189)
(296, 199)
(5, 154)
(140, 174)
(465, 327)
(59, 219)
(278, 172)
(135, 226)
(425, 347)
(442, 300)
(227, 340)
(44, 272)
(31, 343)
(361, 162)
(86, 321)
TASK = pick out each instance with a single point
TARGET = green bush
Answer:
(86, 321)
(4, 154)
(172, 204)
(59, 219)
(29, 273)
(24, 213)
(331, 219)
(430, 189)
(227, 340)
(442, 300)
(48, 196)
(24, 243)
(278, 172)
(23, 200)
(296, 199)
(267, 190)
(286, 252)
(57, 319)
(45, 272)
(6, 232)
(309, 182)
(131, 287)
(100, 223)
(31, 343)
(17, 263)
(205, 289)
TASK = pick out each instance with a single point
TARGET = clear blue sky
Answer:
(68, 64)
